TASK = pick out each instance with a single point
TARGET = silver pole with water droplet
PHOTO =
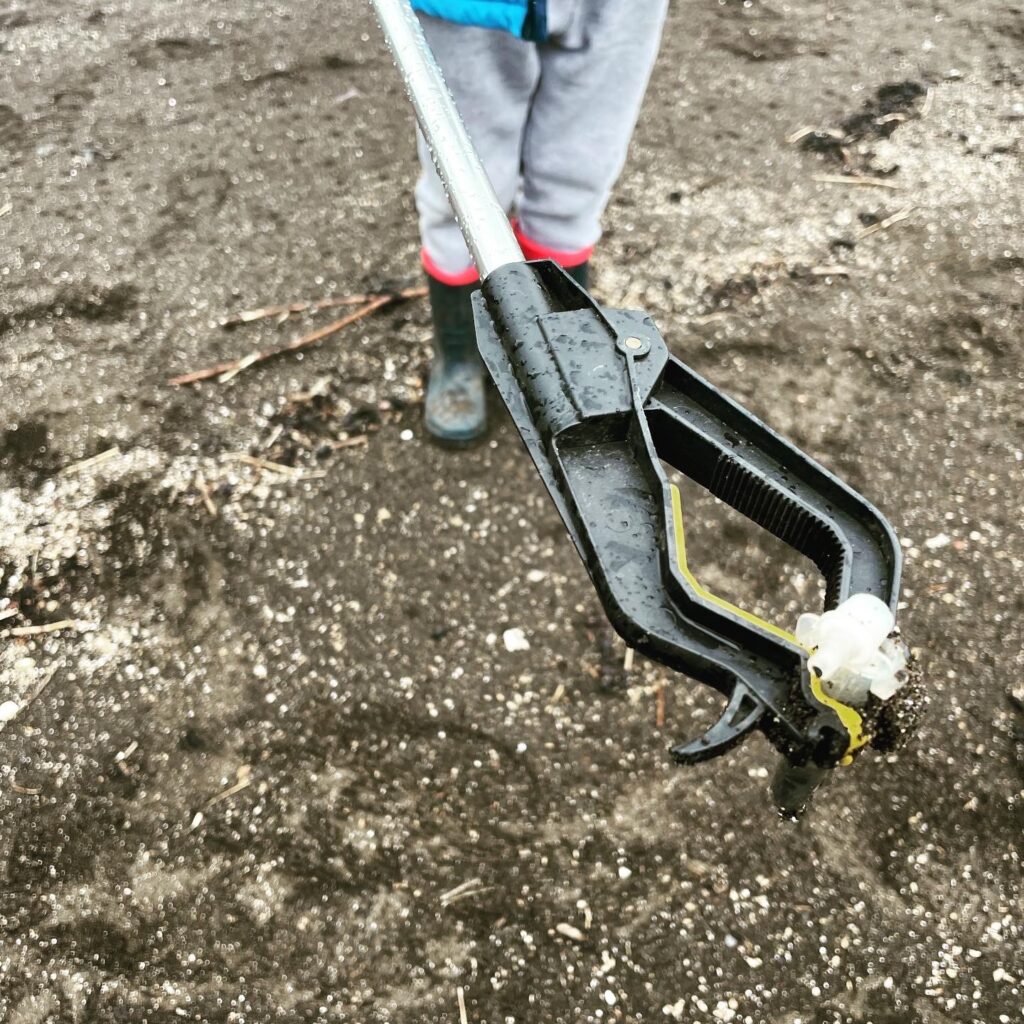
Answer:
(483, 222)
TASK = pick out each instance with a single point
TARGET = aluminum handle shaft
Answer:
(483, 222)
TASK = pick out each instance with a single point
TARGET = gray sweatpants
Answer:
(551, 122)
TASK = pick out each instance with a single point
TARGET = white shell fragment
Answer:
(851, 650)
(9, 710)
(515, 640)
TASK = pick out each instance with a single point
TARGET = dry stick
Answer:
(659, 706)
(204, 493)
(225, 371)
(243, 779)
(347, 442)
(801, 133)
(471, 887)
(95, 460)
(888, 222)
(809, 129)
(123, 755)
(463, 1018)
(710, 318)
(121, 758)
(854, 179)
(557, 695)
(273, 436)
(248, 316)
(293, 472)
(48, 627)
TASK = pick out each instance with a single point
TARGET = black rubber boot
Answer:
(455, 411)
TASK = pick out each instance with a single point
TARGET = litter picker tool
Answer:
(601, 404)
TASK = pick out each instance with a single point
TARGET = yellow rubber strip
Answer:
(851, 719)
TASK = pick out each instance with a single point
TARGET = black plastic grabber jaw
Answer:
(601, 403)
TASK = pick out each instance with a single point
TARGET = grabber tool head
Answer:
(601, 404)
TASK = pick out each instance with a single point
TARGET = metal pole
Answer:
(480, 217)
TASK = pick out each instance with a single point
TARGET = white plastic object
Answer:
(851, 650)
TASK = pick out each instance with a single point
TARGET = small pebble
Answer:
(9, 710)
(515, 640)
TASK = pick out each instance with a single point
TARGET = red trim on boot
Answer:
(536, 251)
(468, 276)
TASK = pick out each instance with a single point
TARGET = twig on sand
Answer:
(91, 462)
(627, 662)
(121, 758)
(887, 222)
(9, 613)
(895, 118)
(855, 179)
(226, 371)
(243, 779)
(273, 436)
(659, 705)
(329, 442)
(929, 99)
(49, 627)
(6, 209)
(204, 492)
(346, 442)
(710, 318)
(348, 94)
(801, 133)
(248, 316)
(463, 1018)
(557, 696)
(808, 129)
(472, 887)
(292, 472)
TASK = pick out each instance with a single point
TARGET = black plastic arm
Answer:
(600, 403)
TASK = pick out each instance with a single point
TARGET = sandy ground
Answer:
(281, 766)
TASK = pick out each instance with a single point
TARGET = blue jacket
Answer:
(524, 18)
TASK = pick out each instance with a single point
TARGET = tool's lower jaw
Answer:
(794, 785)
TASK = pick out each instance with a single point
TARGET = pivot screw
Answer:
(633, 346)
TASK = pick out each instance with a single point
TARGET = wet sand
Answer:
(281, 765)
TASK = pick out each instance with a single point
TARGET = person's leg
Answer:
(492, 76)
(585, 109)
